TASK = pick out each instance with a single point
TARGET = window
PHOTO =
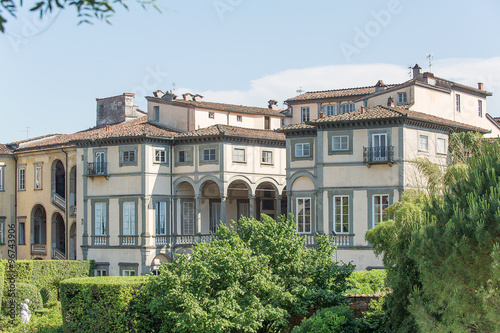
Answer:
(283, 122)
(380, 203)
(128, 269)
(128, 156)
(184, 156)
(100, 272)
(211, 115)
(379, 147)
(100, 217)
(208, 154)
(365, 103)
(2, 231)
(441, 146)
(239, 119)
(128, 218)
(267, 157)
(340, 142)
(303, 215)
(330, 109)
(267, 123)
(239, 155)
(302, 150)
(21, 237)
(348, 107)
(457, 102)
(188, 217)
(161, 217)
(157, 113)
(341, 213)
(128, 272)
(423, 143)
(304, 114)
(22, 179)
(38, 177)
(100, 167)
(160, 156)
(101, 269)
(402, 98)
(480, 108)
(1, 178)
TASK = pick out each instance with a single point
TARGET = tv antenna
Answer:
(430, 56)
(173, 86)
(27, 132)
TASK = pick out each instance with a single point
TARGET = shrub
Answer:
(374, 320)
(329, 320)
(367, 282)
(24, 291)
(105, 304)
(2, 277)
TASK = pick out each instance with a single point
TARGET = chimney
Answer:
(380, 85)
(322, 115)
(158, 93)
(108, 128)
(480, 85)
(187, 97)
(390, 101)
(272, 104)
(362, 110)
(416, 70)
(116, 109)
(197, 98)
(169, 96)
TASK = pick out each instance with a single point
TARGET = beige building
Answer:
(7, 198)
(344, 170)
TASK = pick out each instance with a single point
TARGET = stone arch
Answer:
(239, 191)
(58, 233)
(58, 178)
(72, 241)
(38, 225)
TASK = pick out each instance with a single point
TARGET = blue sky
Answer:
(235, 51)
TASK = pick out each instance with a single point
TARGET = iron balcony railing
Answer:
(383, 154)
(97, 169)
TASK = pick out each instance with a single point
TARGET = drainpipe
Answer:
(66, 211)
(171, 192)
(15, 209)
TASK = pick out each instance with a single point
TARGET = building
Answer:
(7, 197)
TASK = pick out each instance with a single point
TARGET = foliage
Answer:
(367, 282)
(86, 9)
(24, 291)
(374, 320)
(45, 273)
(2, 277)
(463, 145)
(249, 281)
(457, 251)
(105, 304)
(49, 321)
(391, 239)
(329, 320)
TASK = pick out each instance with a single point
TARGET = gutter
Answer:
(66, 210)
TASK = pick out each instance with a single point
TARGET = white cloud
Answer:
(284, 84)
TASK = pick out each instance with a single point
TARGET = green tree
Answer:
(456, 251)
(86, 10)
(247, 281)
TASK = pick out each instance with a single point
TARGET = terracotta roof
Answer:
(386, 112)
(233, 131)
(4, 149)
(220, 106)
(300, 126)
(337, 93)
(134, 128)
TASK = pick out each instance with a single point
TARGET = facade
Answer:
(7, 197)
(344, 170)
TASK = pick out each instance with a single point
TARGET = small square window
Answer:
(340, 142)
(302, 150)
(330, 109)
(402, 98)
(441, 146)
(208, 155)
(100, 272)
(348, 107)
(128, 156)
(239, 155)
(267, 157)
(211, 115)
(160, 156)
(239, 118)
(423, 143)
(128, 272)
(183, 156)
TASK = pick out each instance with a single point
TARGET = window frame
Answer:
(127, 150)
(305, 114)
(2, 230)
(23, 233)
(342, 214)
(348, 107)
(128, 203)
(263, 160)
(340, 149)
(304, 215)
(239, 118)
(211, 115)
(300, 153)
(128, 266)
(161, 160)
(457, 103)
(444, 146)
(101, 266)
(21, 180)
(207, 155)
(422, 148)
(330, 109)
(2, 176)
(383, 211)
(156, 111)
(480, 108)
(238, 153)
(105, 216)
(157, 211)
(203, 148)
(38, 176)
(402, 98)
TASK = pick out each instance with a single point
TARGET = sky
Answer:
(234, 51)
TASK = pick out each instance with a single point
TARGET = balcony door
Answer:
(379, 147)
(215, 216)
(99, 162)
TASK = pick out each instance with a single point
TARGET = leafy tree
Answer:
(456, 251)
(246, 281)
(337, 319)
(85, 9)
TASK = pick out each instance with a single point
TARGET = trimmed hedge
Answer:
(47, 274)
(106, 304)
(2, 278)
(23, 291)
(368, 282)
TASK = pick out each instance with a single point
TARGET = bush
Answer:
(330, 320)
(2, 277)
(374, 320)
(24, 291)
(105, 304)
(47, 320)
(367, 282)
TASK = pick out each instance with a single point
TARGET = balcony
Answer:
(343, 240)
(95, 169)
(59, 201)
(378, 155)
(100, 240)
(38, 249)
(128, 240)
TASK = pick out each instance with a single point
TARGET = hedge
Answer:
(368, 282)
(106, 304)
(24, 291)
(2, 277)
(47, 274)
(336, 319)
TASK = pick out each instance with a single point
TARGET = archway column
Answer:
(223, 208)
(251, 200)
(197, 226)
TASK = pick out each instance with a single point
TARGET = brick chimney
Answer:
(362, 110)
(272, 104)
(390, 101)
(480, 85)
(416, 70)
(322, 115)
(116, 109)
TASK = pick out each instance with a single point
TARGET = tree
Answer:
(252, 280)
(86, 9)
(457, 251)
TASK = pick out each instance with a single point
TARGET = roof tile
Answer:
(217, 130)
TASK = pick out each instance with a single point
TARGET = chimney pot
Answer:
(322, 115)
(108, 128)
(390, 101)
(480, 85)
(362, 109)
(416, 70)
